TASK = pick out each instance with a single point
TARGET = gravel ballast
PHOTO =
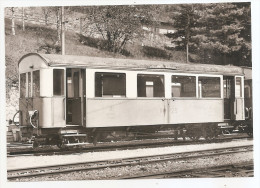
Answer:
(168, 166)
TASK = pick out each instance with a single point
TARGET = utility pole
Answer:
(62, 31)
(187, 37)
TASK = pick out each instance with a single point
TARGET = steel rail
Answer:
(112, 163)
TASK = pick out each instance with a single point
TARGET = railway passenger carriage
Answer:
(73, 99)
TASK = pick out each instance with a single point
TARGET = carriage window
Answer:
(227, 85)
(209, 87)
(247, 90)
(73, 83)
(150, 85)
(22, 85)
(110, 85)
(36, 83)
(238, 87)
(183, 86)
(58, 82)
(29, 85)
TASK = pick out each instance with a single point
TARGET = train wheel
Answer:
(59, 145)
(183, 134)
(249, 131)
(194, 138)
(35, 144)
(250, 134)
(96, 138)
(226, 132)
(193, 135)
(210, 134)
(209, 138)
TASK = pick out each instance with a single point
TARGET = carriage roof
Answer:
(54, 60)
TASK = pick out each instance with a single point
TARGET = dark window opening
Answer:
(247, 92)
(36, 83)
(209, 87)
(183, 86)
(58, 82)
(150, 85)
(248, 89)
(22, 85)
(29, 85)
(110, 85)
(227, 84)
(76, 84)
(73, 83)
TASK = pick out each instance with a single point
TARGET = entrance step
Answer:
(9, 136)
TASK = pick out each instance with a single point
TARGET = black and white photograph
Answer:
(158, 94)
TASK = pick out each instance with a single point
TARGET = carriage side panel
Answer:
(196, 111)
(125, 112)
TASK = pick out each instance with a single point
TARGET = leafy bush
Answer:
(98, 43)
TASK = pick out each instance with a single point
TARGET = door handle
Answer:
(236, 106)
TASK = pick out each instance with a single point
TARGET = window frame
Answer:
(32, 82)
(151, 74)
(25, 94)
(196, 85)
(108, 96)
(242, 87)
(26, 84)
(210, 76)
(249, 87)
(64, 82)
(29, 89)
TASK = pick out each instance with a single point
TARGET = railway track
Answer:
(244, 170)
(16, 174)
(149, 143)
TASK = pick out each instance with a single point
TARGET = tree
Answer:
(183, 22)
(117, 25)
(228, 29)
(56, 11)
(218, 33)
(12, 76)
(46, 12)
(51, 44)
